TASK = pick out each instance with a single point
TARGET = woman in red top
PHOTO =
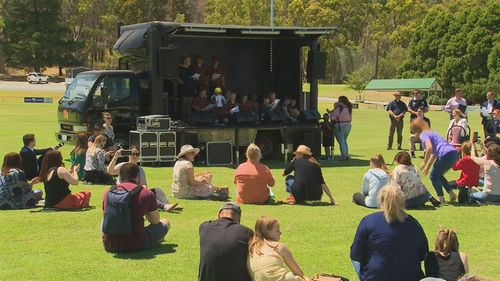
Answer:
(469, 176)
(253, 179)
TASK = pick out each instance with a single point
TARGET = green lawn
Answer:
(67, 245)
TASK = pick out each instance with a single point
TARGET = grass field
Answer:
(67, 245)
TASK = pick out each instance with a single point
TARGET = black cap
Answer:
(231, 206)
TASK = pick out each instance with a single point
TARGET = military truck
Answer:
(256, 61)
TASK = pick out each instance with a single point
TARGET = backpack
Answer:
(118, 211)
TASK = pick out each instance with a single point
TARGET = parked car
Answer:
(37, 77)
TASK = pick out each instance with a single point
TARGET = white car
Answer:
(37, 77)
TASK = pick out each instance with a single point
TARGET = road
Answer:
(27, 87)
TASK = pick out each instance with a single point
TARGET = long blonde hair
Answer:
(392, 203)
(263, 227)
(99, 143)
(253, 153)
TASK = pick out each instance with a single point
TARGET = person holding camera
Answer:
(491, 168)
(133, 157)
(31, 164)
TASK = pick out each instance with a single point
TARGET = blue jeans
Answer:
(155, 233)
(440, 167)
(485, 197)
(357, 267)
(288, 183)
(341, 132)
(418, 201)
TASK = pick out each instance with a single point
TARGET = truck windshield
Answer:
(80, 87)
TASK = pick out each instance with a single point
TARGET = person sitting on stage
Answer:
(373, 181)
(293, 109)
(265, 107)
(188, 185)
(273, 101)
(200, 102)
(231, 103)
(283, 108)
(248, 104)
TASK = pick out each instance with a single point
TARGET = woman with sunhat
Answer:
(187, 184)
(307, 184)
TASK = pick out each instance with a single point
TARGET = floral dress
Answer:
(16, 192)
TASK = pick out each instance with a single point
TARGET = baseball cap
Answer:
(231, 206)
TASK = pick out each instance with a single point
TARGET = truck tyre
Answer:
(268, 144)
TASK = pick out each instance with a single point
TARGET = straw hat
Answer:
(302, 149)
(187, 148)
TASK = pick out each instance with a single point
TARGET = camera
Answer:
(127, 152)
(475, 136)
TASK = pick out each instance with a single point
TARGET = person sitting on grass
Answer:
(491, 168)
(78, 153)
(253, 179)
(143, 204)
(389, 245)
(224, 246)
(439, 152)
(307, 184)
(56, 181)
(373, 180)
(406, 176)
(469, 176)
(270, 259)
(95, 163)
(31, 164)
(99, 130)
(15, 190)
(188, 185)
(114, 169)
(446, 261)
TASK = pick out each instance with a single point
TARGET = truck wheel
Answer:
(268, 144)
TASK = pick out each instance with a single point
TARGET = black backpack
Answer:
(118, 211)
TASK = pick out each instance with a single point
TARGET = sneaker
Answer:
(413, 154)
(290, 200)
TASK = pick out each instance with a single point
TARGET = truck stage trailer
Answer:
(256, 60)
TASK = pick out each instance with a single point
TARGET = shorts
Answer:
(155, 234)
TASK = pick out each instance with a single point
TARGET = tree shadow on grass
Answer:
(148, 254)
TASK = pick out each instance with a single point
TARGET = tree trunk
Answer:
(377, 57)
(2, 64)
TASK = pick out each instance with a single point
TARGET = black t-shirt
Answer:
(308, 180)
(55, 189)
(224, 251)
(449, 268)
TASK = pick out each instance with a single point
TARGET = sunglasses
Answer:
(135, 154)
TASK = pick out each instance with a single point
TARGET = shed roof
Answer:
(425, 84)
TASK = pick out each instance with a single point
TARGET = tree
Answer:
(33, 35)
(359, 78)
(2, 62)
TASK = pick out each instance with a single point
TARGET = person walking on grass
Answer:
(143, 204)
(397, 109)
(438, 153)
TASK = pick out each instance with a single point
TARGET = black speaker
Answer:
(309, 116)
(147, 143)
(200, 118)
(312, 139)
(219, 153)
(275, 116)
(167, 146)
(243, 117)
(168, 60)
(319, 65)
